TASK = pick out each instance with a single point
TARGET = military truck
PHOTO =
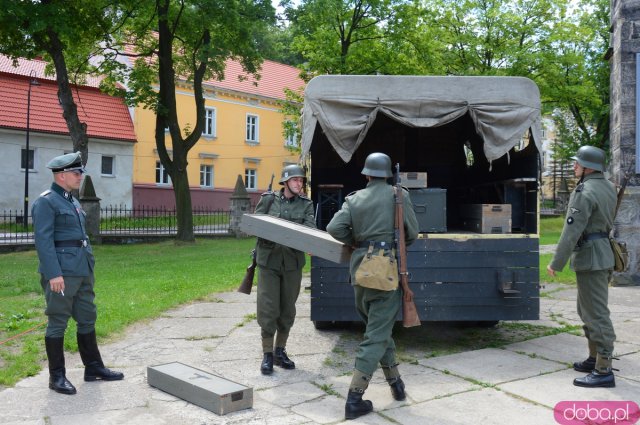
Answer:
(469, 148)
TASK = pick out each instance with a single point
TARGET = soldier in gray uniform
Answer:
(585, 240)
(280, 269)
(367, 220)
(66, 270)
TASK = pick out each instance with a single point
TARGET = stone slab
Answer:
(565, 348)
(497, 365)
(487, 407)
(550, 389)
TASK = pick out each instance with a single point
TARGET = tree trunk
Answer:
(77, 129)
(184, 214)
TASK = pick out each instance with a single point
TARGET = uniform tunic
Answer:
(369, 215)
(57, 216)
(280, 267)
(591, 210)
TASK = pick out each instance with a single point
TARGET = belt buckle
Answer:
(84, 243)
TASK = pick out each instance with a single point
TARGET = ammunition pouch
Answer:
(620, 255)
(378, 269)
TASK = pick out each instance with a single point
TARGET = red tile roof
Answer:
(107, 117)
(274, 78)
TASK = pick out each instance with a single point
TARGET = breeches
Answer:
(77, 302)
(277, 295)
(593, 309)
(378, 310)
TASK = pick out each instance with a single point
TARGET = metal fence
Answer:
(12, 228)
(124, 221)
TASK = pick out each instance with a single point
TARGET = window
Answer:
(290, 139)
(209, 122)
(162, 177)
(27, 160)
(206, 175)
(106, 168)
(250, 178)
(252, 128)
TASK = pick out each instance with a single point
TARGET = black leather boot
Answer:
(93, 366)
(392, 375)
(596, 380)
(397, 390)
(356, 406)
(586, 365)
(600, 377)
(57, 379)
(266, 367)
(281, 359)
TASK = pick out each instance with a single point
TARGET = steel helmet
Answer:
(377, 164)
(291, 171)
(591, 157)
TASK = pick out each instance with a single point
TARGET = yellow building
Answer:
(243, 136)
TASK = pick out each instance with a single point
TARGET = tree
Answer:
(184, 40)
(341, 36)
(66, 34)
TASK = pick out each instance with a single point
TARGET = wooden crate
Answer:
(486, 218)
(313, 241)
(488, 224)
(201, 388)
(485, 210)
(413, 179)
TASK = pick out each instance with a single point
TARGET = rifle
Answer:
(409, 312)
(247, 281)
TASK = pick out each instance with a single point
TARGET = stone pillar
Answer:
(625, 43)
(91, 205)
(240, 204)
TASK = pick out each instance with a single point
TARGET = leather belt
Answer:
(70, 243)
(592, 236)
(376, 245)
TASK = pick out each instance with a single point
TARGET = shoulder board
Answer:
(268, 193)
(46, 192)
(353, 193)
(304, 197)
(580, 187)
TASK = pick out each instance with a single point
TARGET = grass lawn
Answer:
(550, 230)
(133, 283)
(138, 282)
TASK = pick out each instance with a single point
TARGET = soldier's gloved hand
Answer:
(57, 284)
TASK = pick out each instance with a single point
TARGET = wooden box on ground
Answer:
(430, 206)
(201, 388)
(486, 218)
(306, 239)
(413, 179)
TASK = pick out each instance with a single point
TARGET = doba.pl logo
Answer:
(596, 412)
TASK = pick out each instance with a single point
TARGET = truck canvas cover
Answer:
(346, 106)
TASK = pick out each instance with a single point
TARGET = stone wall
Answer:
(625, 43)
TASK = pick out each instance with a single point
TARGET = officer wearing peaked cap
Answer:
(280, 269)
(585, 240)
(66, 270)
